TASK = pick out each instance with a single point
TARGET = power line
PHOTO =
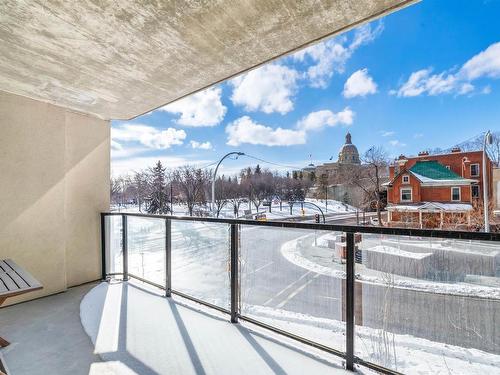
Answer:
(270, 162)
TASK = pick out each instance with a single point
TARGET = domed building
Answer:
(348, 153)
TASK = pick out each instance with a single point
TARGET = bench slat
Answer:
(3, 288)
(14, 280)
(18, 280)
(30, 280)
(11, 286)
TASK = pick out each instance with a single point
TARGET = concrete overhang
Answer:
(120, 59)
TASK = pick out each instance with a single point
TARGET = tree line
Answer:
(157, 189)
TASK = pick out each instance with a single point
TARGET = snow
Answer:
(139, 331)
(135, 330)
(399, 252)
(328, 207)
(412, 355)
(291, 251)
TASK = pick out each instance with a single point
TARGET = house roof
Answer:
(433, 170)
(432, 173)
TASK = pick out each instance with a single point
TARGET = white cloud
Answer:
(359, 84)
(387, 133)
(397, 143)
(418, 135)
(245, 130)
(204, 108)
(331, 56)
(268, 89)
(201, 145)
(423, 81)
(319, 119)
(484, 64)
(146, 135)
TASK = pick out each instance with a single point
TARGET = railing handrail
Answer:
(428, 233)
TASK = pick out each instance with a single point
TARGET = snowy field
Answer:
(278, 212)
(283, 280)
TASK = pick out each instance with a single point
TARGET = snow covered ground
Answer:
(309, 208)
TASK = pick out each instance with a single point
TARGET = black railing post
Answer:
(103, 246)
(234, 273)
(168, 258)
(125, 247)
(349, 306)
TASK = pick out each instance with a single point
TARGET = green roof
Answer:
(434, 170)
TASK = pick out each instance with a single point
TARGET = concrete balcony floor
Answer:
(135, 330)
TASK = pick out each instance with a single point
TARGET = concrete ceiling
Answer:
(120, 59)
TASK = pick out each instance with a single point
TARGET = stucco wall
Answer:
(54, 181)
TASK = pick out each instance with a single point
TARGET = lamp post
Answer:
(487, 141)
(215, 174)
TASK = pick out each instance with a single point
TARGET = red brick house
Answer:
(436, 191)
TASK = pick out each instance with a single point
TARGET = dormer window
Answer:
(406, 179)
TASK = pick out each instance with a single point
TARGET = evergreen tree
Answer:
(158, 197)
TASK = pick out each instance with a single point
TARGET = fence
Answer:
(261, 272)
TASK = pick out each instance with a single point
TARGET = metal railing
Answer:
(235, 225)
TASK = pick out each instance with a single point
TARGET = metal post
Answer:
(168, 258)
(486, 190)
(326, 198)
(103, 246)
(234, 273)
(350, 302)
(125, 247)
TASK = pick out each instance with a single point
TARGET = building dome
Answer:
(348, 153)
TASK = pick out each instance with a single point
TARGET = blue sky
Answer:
(425, 77)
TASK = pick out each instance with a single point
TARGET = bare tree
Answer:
(221, 194)
(369, 177)
(191, 183)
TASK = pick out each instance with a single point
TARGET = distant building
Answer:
(348, 153)
(331, 177)
(436, 191)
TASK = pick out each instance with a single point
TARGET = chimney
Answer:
(401, 162)
(466, 168)
(456, 149)
(423, 153)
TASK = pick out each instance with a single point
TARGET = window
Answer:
(455, 193)
(474, 170)
(406, 195)
(475, 191)
(406, 179)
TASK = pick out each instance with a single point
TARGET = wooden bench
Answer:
(14, 281)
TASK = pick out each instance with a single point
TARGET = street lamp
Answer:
(215, 174)
(487, 141)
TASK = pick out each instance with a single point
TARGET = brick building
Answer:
(436, 191)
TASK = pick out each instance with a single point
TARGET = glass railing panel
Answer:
(294, 280)
(200, 261)
(428, 305)
(113, 244)
(146, 248)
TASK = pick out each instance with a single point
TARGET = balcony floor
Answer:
(138, 331)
